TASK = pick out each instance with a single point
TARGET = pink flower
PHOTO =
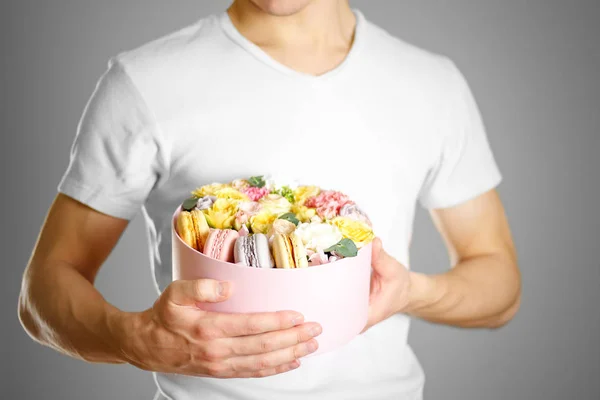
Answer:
(255, 194)
(318, 258)
(328, 203)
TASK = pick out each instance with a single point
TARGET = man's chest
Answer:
(358, 144)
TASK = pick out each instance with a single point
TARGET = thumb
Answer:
(190, 293)
(376, 250)
(381, 261)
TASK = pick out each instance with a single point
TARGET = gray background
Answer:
(533, 66)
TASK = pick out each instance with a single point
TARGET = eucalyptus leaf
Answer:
(345, 248)
(257, 181)
(291, 218)
(189, 204)
(288, 193)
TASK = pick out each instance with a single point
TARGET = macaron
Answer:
(220, 244)
(193, 228)
(289, 251)
(253, 251)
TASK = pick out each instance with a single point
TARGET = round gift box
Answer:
(335, 295)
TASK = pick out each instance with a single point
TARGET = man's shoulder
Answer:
(397, 55)
(181, 47)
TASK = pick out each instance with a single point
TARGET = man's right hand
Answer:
(176, 336)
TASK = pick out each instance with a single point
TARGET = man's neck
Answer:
(313, 40)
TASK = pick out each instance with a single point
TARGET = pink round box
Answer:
(335, 295)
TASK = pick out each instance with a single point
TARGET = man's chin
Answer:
(281, 8)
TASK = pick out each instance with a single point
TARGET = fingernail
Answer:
(221, 289)
(312, 346)
(315, 331)
(297, 319)
(295, 364)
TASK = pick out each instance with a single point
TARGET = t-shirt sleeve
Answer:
(466, 166)
(116, 158)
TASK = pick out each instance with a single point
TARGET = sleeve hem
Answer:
(463, 195)
(93, 198)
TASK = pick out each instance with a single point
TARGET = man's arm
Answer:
(60, 307)
(483, 287)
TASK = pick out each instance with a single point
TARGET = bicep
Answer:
(475, 228)
(76, 235)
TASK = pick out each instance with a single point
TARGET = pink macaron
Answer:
(220, 244)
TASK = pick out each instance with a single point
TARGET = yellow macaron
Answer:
(289, 252)
(193, 228)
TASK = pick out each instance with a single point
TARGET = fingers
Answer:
(274, 359)
(270, 372)
(273, 341)
(280, 369)
(234, 325)
(190, 293)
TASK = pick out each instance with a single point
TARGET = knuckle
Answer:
(212, 353)
(167, 314)
(227, 326)
(263, 363)
(282, 368)
(216, 370)
(301, 336)
(263, 373)
(254, 325)
(283, 319)
(206, 333)
(298, 351)
(268, 344)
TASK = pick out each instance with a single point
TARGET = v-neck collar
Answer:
(232, 32)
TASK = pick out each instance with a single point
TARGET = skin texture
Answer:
(60, 307)
(482, 288)
(308, 36)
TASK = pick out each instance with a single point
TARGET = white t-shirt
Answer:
(391, 126)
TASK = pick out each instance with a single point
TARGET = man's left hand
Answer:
(390, 286)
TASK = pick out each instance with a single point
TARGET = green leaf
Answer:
(288, 193)
(345, 248)
(189, 204)
(291, 218)
(257, 181)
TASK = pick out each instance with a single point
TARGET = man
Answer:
(308, 89)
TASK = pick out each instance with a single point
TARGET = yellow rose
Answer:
(231, 194)
(261, 222)
(357, 231)
(209, 190)
(304, 192)
(275, 204)
(222, 214)
(303, 213)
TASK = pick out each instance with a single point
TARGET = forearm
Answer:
(482, 291)
(62, 309)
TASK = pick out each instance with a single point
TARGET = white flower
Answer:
(276, 182)
(318, 236)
